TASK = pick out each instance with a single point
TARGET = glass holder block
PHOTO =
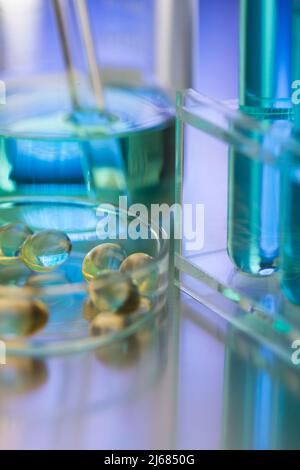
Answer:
(238, 170)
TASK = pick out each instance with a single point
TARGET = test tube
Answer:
(290, 226)
(265, 67)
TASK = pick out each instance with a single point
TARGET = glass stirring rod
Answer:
(89, 52)
(66, 51)
(85, 30)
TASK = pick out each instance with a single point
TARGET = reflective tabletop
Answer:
(192, 383)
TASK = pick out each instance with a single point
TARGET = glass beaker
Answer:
(45, 147)
(58, 162)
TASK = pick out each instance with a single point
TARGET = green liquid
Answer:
(254, 188)
(290, 227)
(254, 207)
(54, 152)
(290, 253)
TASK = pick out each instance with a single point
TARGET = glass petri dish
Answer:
(65, 293)
(54, 164)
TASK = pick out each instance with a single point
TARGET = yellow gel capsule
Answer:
(12, 237)
(114, 292)
(45, 251)
(143, 271)
(108, 256)
(106, 323)
(20, 318)
(90, 312)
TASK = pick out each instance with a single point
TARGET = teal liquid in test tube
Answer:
(254, 188)
(290, 253)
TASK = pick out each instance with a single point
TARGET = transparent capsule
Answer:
(12, 237)
(20, 318)
(90, 311)
(21, 375)
(108, 256)
(46, 250)
(143, 271)
(114, 292)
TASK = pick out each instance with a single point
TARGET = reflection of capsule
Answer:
(21, 317)
(124, 352)
(119, 354)
(22, 374)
